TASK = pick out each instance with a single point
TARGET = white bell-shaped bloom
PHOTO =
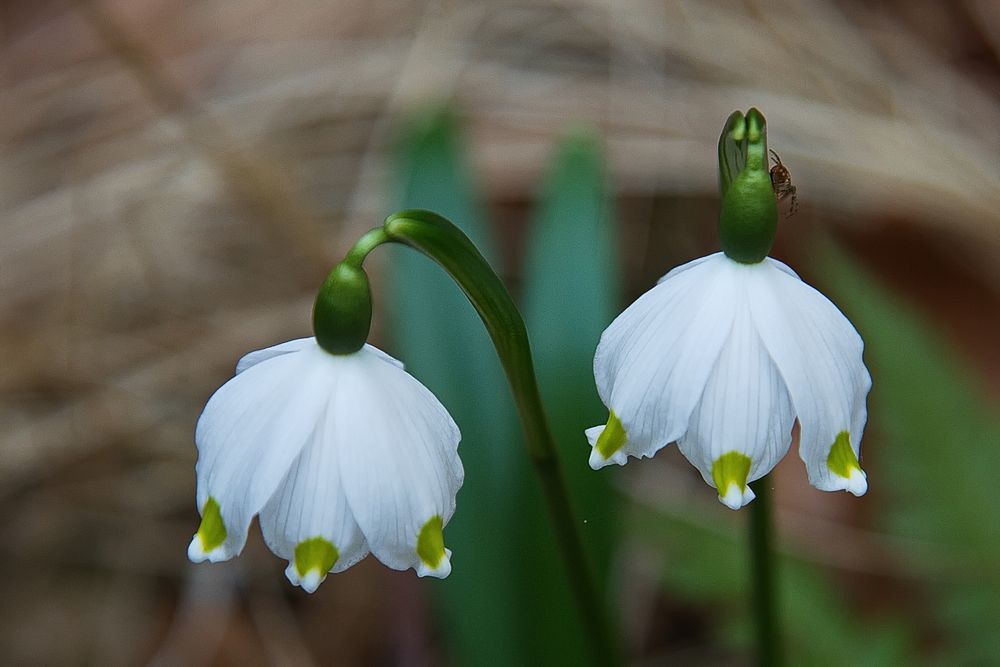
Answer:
(339, 455)
(722, 357)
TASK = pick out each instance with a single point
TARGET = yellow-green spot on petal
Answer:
(842, 459)
(211, 532)
(612, 438)
(430, 542)
(315, 553)
(731, 468)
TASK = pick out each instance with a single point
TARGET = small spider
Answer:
(781, 183)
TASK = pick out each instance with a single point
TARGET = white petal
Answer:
(310, 504)
(439, 571)
(687, 266)
(596, 460)
(734, 498)
(257, 356)
(778, 264)
(383, 356)
(309, 582)
(251, 431)
(652, 363)
(819, 355)
(398, 452)
(745, 408)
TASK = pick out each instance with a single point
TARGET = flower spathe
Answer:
(339, 455)
(722, 357)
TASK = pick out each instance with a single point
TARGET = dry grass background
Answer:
(176, 177)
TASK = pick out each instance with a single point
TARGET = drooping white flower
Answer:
(339, 455)
(722, 357)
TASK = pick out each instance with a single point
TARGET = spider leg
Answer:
(794, 207)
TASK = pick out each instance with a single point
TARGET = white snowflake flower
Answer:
(722, 357)
(339, 454)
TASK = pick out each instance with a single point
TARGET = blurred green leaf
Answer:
(570, 295)
(937, 463)
(706, 564)
(443, 343)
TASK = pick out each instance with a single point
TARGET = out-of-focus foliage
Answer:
(443, 343)
(511, 595)
(705, 565)
(570, 293)
(938, 463)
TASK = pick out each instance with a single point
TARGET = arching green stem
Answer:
(443, 242)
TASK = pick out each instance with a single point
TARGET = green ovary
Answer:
(731, 468)
(430, 542)
(211, 532)
(612, 438)
(842, 459)
(315, 553)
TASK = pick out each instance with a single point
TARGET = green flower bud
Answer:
(748, 220)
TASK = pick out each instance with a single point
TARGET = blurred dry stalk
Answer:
(176, 175)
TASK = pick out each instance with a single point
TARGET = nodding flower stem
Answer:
(342, 318)
(342, 314)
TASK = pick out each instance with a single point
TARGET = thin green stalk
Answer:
(443, 242)
(762, 564)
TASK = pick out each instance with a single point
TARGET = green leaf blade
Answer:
(938, 462)
(444, 344)
(570, 296)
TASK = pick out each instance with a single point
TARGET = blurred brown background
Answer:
(176, 177)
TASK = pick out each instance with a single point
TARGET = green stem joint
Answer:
(342, 314)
